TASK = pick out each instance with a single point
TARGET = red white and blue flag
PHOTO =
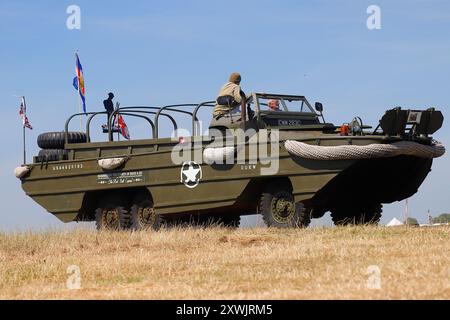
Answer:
(23, 114)
(78, 81)
(123, 128)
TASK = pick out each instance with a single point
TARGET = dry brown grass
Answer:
(219, 263)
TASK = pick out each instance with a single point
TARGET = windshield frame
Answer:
(283, 98)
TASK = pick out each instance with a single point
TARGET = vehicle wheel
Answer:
(52, 155)
(279, 209)
(355, 216)
(112, 218)
(56, 140)
(144, 217)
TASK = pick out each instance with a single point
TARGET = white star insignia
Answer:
(191, 173)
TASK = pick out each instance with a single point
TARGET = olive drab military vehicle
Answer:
(287, 164)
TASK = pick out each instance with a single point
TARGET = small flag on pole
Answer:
(78, 81)
(23, 114)
(123, 128)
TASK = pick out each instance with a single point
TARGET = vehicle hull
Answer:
(70, 189)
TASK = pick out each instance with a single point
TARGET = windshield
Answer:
(284, 104)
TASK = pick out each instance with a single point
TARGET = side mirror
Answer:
(319, 107)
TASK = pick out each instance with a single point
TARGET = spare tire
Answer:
(56, 140)
(52, 155)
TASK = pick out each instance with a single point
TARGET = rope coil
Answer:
(349, 152)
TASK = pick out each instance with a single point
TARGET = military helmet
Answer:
(235, 77)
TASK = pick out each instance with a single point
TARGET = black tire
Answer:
(52, 155)
(112, 218)
(357, 216)
(279, 209)
(143, 216)
(56, 140)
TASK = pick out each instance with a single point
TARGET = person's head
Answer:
(273, 104)
(110, 95)
(235, 77)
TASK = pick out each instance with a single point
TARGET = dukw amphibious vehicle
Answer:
(286, 163)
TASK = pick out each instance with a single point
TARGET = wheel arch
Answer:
(250, 196)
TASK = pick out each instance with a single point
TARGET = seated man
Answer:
(274, 105)
(226, 110)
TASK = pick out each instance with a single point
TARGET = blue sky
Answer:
(160, 52)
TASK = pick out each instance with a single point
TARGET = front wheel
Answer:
(144, 217)
(279, 209)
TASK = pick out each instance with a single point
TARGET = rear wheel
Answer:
(112, 218)
(357, 216)
(279, 209)
(144, 216)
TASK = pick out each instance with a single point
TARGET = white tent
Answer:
(394, 222)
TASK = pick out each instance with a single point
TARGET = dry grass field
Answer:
(220, 263)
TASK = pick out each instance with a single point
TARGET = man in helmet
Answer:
(228, 101)
(108, 104)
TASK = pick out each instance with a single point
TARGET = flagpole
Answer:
(24, 147)
(79, 111)
(23, 135)
(118, 135)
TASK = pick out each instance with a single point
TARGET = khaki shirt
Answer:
(229, 89)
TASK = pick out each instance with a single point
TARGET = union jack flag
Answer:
(123, 128)
(23, 114)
